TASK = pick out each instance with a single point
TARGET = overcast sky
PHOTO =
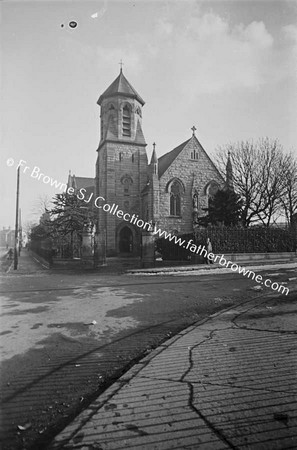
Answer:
(229, 68)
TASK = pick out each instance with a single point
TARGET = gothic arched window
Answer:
(211, 190)
(126, 121)
(175, 198)
(126, 184)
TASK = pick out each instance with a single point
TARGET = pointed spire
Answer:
(229, 173)
(154, 160)
(120, 87)
(69, 180)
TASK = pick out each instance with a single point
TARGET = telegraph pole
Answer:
(20, 230)
(16, 231)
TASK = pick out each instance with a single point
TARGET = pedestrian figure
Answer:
(10, 254)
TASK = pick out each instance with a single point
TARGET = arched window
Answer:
(175, 199)
(211, 190)
(126, 184)
(126, 121)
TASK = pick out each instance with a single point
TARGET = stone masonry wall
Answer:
(123, 161)
(183, 168)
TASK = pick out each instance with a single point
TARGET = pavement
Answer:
(227, 382)
(27, 264)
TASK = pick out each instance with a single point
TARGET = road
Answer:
(66, 337)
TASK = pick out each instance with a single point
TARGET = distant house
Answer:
(6, 237)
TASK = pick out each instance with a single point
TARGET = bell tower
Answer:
(122, 166)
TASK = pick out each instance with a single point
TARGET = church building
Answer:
(171, 191)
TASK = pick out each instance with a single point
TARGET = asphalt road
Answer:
(66, 337)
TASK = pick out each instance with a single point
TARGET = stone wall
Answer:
(199, 172)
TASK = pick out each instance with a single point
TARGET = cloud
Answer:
(211, 56)
(256, 34)
(203, 53)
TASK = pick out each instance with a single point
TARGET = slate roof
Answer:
(83, 182)
(166, 160)
(120, 86)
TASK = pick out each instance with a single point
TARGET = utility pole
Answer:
(20, 231)
(16, 231)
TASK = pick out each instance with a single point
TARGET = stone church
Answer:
(171, 191)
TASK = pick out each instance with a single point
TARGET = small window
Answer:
(111, 107)
(120, 156)
(126, 121)
(194, 154)
(126, 186)
(133, 158)
(175, 199)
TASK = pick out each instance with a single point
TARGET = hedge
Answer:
(248, 240)
(232, 240)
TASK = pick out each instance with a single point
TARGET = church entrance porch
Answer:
(126, 240)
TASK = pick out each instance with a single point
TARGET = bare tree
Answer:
(289, 197)
(258, 174)
(42, 205)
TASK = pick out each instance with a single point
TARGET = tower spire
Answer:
(154, 160)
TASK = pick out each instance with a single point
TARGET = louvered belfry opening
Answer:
(126, 121)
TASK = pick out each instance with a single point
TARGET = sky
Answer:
(227, 67)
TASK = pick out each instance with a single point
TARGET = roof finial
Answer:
(121, 64)
(154, 146)
(193, 129)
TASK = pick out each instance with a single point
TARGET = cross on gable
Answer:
(121, 64)
(193, 129)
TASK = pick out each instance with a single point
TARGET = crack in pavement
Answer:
(217, 432)
(209, 383)
(228, 322)
(190, 349)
